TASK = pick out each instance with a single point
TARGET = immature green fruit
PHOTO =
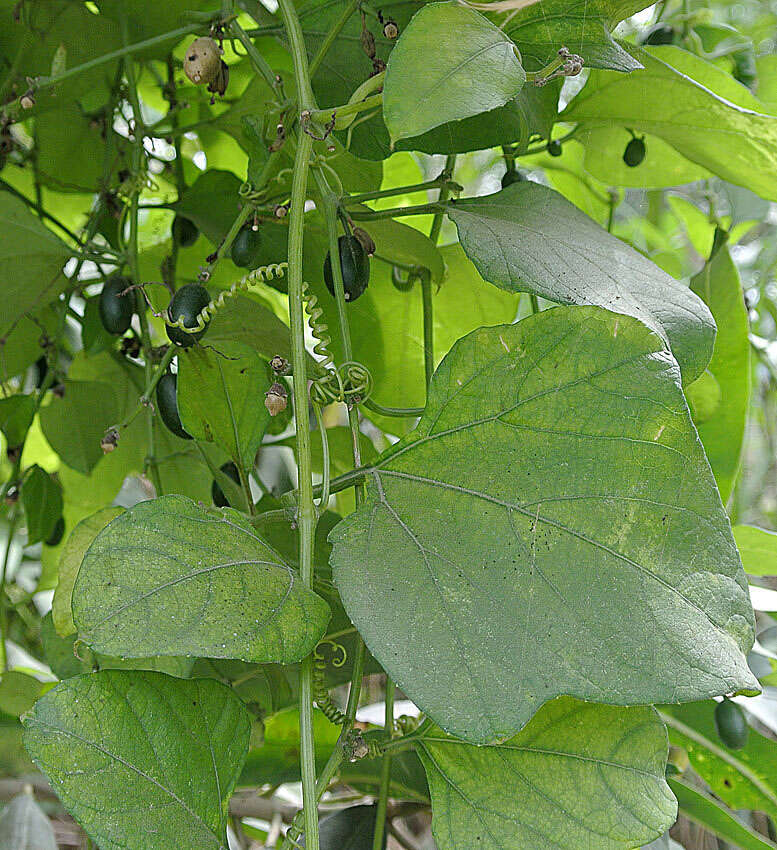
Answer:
(116, 309)
(554, 147)
(216, 493)
(202, 63)
(510, 177)
(187, 304)
(355, 265)
(731, 724)
(167, 404)
(634, 154)
(57, 533)
(246, 248)
(185, 231)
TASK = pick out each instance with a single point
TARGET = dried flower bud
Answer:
(109, 441)
(280, 365)
(27, 101)
(276, 399)
(390, 29)
(367, 242)
(218, 85)
(12, 496)
(281, 211)
(202, 63)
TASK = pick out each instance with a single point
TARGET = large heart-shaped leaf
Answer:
(221, 397)
(553, 495)
(171, 578)
(450, 63)
(31, 261)
(528, 238)
(142, 760)
(551, 786)
(723, 433)
(698, 109)
(582, 26)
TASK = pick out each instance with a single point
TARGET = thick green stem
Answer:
(328, 41)
(385, 773)
(3, 607)
(258, 61)
(397, 212)
(399, 412)
(437, 183)
(132, 257)
(426, 293)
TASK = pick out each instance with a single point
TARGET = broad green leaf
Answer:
(722, 435)
(142, 760)
(24, 826)
(702, 808)
(703, 396)
(31, 261)
(352, 828)
(75, 425)
(79, 540)
(18, 692)
(277, 758)
(554, 487)
(211, 202)
(16, 415)
(20, 347)
(695, 107)
(743, 779)
(42, 498)
(171, 578)
(399, 243)
(553, 785)
(582, 26)
(474, 67)
(221, 397)
(758, 548)
(527, 238)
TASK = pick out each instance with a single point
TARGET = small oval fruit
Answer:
(185, 231)
(246, 248)
(187, 303)
(57, 533)
(731, 724)
(355, 265)
(554, 147)
(167, 405)
(116, 309)
(510, 177)
(216, 493)
(635, 152)
(202, 62)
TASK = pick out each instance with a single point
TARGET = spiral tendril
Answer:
(320, 690)
(260, 275)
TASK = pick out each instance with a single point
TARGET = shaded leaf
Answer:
(171, 578)
(16, 415)
(18, 692)
(349, 829)
(553, 785)
(473, 68)
(723, 433)
(758, 548)
(527, 238)
(42, 498)
(524, 509)
(142, 760)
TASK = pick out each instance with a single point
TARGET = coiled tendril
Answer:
(320, 690)
(260, 275)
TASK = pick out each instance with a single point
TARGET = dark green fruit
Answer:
(661, 34)
(167, 404)
(355, 265)
(185, 231)
(554, 148)
(115, 309)
(57, 533)
(510, 177)
(731, 724)
(216, 493)
(187, 304)
(246, 249)
(634, 154)
(41, 366)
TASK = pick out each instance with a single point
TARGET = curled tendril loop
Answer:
(260, 275)
(320, 690)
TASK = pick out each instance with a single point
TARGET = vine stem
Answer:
(437, 183)
(397, 212)
(385, 772)
(3, 607)
(306, 509)
(132, 258)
